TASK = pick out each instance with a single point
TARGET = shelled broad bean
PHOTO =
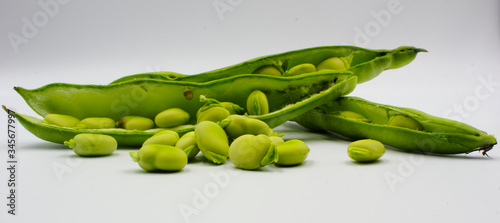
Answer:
(92, 144)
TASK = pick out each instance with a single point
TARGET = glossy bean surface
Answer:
(252, 152)
(156, 157)
(365, 150)
(188, 143)
(61, 120)
(292, 152)
(171, 117)
(165, 137)
(212, 141)
(135, 123)
(97, 123)
(257, 103)
(92, 144)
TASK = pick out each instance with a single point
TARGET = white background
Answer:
(96, 42)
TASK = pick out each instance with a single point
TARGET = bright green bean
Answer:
(353, 115)
(276, 140)
(156, 157)
(212, 141)
(292, 152)
(252, 152)
(171, 117)
(165, 137)
(92, 144)
(268, 70)
(300, 69)
(61, 120)
(366, 150)
(405, 122)
(240, 125)
(135, 123)
(97, 123)
(332, 63)
(257, 103)
(213, 114)
(188, 143)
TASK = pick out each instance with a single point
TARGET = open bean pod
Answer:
(364, 63)
(413, 131)
(290, 97)
(56, 134)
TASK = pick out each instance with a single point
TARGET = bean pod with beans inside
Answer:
(403, 128)
(146, 99)
(366, 64)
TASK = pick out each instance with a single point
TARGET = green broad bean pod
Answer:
(364, 63)
(56, 134)
(290, 97)
(430, 135)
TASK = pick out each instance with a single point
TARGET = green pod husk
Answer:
(439, 135)
(290, 97)
(56, 134)
(147, 98)
(364, 63)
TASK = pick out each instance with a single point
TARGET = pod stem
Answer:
(484, 149)
(135, 156)
(209, 103)
(71, 143)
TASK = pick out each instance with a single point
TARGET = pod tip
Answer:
(421, 50)
(484, 149)
(8, 110)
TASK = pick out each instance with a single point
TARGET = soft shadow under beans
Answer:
(44, 146)
(472, 155)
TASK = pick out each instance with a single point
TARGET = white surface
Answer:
(94, 42)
